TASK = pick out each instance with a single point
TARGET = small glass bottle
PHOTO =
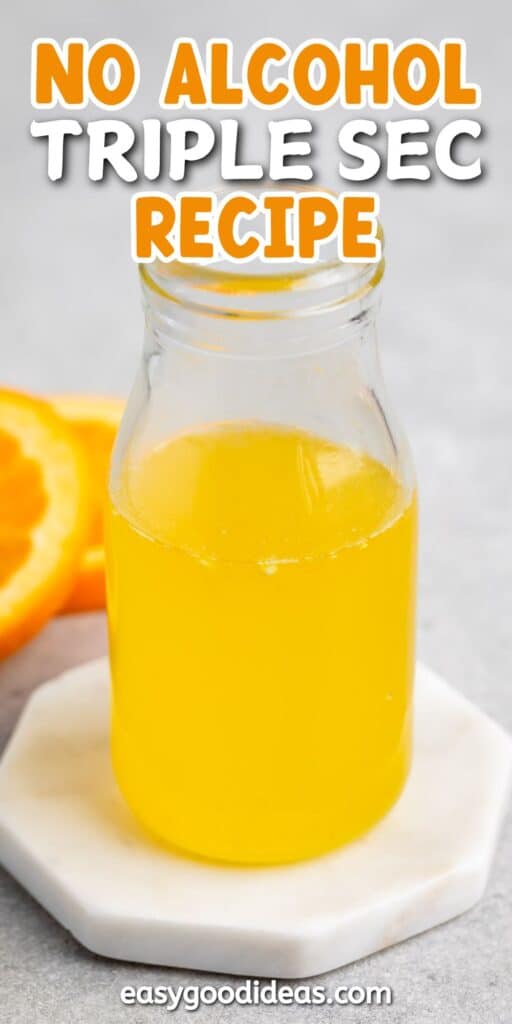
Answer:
(261, 547)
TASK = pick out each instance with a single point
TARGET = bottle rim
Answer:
(284, 291)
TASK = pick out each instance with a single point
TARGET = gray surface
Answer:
(70, 320)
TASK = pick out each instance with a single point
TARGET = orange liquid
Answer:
(261, 586)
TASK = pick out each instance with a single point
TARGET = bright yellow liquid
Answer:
(261, 603)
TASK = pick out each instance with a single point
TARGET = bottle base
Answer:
(273, 850)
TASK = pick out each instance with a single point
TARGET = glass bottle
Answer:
(261, 549)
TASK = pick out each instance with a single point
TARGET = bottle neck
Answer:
(261, 316)
(295, 351)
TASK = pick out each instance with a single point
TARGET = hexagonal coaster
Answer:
(67, 836)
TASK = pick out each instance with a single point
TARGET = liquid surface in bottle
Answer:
(261, 585)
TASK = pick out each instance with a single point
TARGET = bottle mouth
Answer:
(265, 291)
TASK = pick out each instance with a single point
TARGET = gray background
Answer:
(71, 321)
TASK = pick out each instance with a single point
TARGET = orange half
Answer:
(94, 421)
(44, 515)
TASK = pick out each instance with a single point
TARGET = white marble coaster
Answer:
(67, 836)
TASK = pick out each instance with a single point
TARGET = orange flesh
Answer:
(43, 515)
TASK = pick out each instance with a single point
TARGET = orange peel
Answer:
(94, 421)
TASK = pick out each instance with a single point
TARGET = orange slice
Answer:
(44, 515)
(95, 421)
